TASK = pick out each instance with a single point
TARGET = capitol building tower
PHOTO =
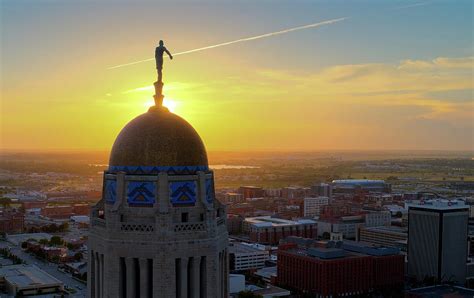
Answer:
(158, 230)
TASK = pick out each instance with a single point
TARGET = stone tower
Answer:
(158, 230)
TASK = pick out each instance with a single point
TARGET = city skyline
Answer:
(393, 75)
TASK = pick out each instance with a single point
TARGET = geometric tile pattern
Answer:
(209, 191)
(183, 192)
(141, 193)
(149, 170)
(189, 227)
(137, 228)
(110, 191)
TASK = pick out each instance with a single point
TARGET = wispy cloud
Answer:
(439, 63)
(168, 87)
(429, 84)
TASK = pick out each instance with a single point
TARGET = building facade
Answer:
(437, 240)
(12, 222)
(233, 198)
(158, 230)
(245, 256)
(322, 190)
(312, 206)
(378, 218)
(269, 230)
(249, 192)
(386, 236)
(335, 269)
(348, 226)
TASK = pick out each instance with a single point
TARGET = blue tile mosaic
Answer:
(141, 193)
(110, 191)
(149, 170)
(183, 192)
(209, 191)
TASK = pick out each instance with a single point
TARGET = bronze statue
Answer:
(159, 59)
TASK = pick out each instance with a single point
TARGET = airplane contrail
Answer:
(411, 5)
(328, 22)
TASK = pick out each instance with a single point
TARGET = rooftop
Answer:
(242, 247)
(272, 291)
(28, 276)
(267, 221)
(442, 291)
(390, 229)
(267, 272)
(326, 250)
(439, 204)
(358, 181)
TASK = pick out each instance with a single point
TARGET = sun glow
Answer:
(169, 103)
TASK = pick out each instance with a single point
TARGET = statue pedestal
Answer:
(158, 94)
(158, 100)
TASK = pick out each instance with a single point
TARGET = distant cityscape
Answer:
(337, 227)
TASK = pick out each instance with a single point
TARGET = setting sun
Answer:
(170, 104)
(167, 102)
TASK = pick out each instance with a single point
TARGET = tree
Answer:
(78, 256)
(64, 227)
(399, 214)
(44, 241)
(56, 240)
(326, 235)
(5, 202)
(24, 244)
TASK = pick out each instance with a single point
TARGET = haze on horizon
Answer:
(384, 79)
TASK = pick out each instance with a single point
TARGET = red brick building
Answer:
(33, 204)
(243, 209)
(12, 222)
(81, 209)
(65, 211)
(338, 269)
(57, 211)
(234, 224)
(251, 192)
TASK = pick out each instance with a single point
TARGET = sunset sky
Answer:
(393, 75)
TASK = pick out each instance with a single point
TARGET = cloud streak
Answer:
(309, 26)
(412, 5)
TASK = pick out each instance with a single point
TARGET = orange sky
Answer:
(338, 87)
